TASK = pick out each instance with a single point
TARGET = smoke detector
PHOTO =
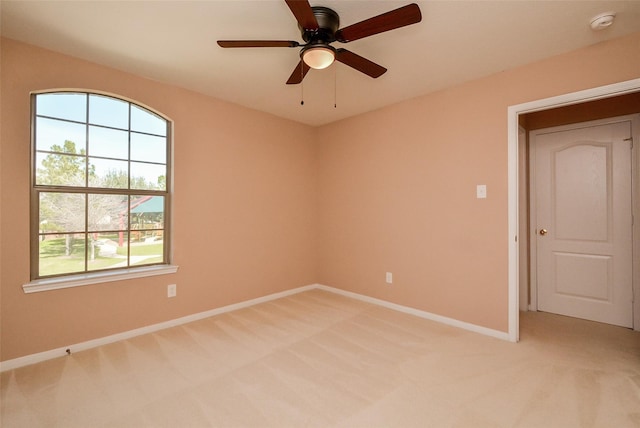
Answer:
(602, 21)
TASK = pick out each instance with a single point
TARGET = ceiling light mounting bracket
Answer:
(328, 24)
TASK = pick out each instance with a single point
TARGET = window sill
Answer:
(96, 278)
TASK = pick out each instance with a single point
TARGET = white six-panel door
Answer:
(583, 221)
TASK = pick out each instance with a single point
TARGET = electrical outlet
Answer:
(389, 278)
(171, 290)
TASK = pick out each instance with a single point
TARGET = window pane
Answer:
(148, 148)
(107, 212)
(60, 136)
(149, 251)
(108, 250)
(69, 106)
(108, 111)
(147, 230)
(108, 143)
(62, 212)
(147, 212)
(108, 173)
(148, 176)
(60, 170)
(144, 121)
(63, 253)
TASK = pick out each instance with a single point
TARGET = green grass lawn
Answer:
(58, 265)
(142, 250)
(148, 261)
(54, 262)
(63, 264)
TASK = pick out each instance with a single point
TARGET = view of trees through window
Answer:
(100, 184)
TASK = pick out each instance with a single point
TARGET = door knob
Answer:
(543, 232)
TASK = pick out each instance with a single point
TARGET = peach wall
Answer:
(397, 187)
(244, 208)
(263, 204)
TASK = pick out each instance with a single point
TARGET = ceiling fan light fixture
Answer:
(319, 56)
(320, 26)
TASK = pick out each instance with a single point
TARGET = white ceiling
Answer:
(175, 42)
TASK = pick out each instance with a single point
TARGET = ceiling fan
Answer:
(320, 26)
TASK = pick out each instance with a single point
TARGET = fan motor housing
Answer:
(328, 24)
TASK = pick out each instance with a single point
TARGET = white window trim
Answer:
(69, 281)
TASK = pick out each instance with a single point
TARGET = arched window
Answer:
(100, 184)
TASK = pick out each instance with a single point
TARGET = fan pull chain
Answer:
(301, 83)
(335, 86)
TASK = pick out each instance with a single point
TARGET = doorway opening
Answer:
(606, 101)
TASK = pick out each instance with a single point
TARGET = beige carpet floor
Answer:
(317, 359)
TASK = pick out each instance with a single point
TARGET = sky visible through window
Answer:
(109, 132)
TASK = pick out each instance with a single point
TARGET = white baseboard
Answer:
(59, 352)
(422, 314)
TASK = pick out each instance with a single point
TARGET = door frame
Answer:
(532, 243)
(513, 113)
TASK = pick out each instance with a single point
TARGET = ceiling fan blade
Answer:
(301, 9)
(397, 18)
(359, 63)
(298, 74)
(258, 44)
